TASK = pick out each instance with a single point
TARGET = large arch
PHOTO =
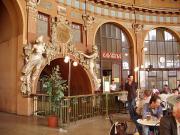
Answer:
(11, 40)
(166, 39)
(170, 29)
(128, 31)
(79, 81)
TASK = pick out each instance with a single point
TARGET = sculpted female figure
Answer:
(91, 59)
(33, 61)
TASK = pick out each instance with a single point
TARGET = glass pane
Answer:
(146, 45)
(146, 61)
(146, 76)
(153, 47)
(161, 49)
(123, 37)
(168, 47)
(42, 24)
(165, 75)
(176, 61)
(76, 30)
(152, 73)
(109, 44)
(153, 60)
(118, 45)
(108, 27)
(169, 61)
(161, 61)
(113, 31)
(172, 82)
(118, 33)
(142, 79)
(114, 45)
(176, 47)
(115, 71)
(159, 79)
(172, 73)
(104, 44)
(160, 34)
(178, 75)
(152, 35)
(165, 82)
(168, 36)
(174, 38)
(152, 82)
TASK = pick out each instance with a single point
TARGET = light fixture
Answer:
(75, 63)
(145, 49)
(136, 69)
(66, 59)
(126, 54)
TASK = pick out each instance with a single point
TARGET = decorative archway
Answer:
(79, 81)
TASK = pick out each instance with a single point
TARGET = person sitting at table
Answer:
(145, 99)
(154, 109)
(170, 125)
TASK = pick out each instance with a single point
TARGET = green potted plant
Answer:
(54, 86)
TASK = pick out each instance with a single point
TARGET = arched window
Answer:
(162, 59)
(114, 52)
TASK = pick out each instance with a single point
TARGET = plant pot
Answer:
(52, 121)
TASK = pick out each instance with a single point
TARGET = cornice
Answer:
(145, 9)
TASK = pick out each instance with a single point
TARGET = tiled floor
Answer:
(21, 125)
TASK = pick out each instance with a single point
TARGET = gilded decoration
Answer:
(39, 53)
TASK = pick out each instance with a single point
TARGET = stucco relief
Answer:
(35, 56)
(91, 65)
(40, 53)
(137, 27)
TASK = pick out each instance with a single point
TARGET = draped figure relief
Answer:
(38, 54)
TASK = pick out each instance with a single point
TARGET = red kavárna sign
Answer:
(111, 55)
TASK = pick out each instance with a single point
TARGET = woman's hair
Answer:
(154, 99)
(147, 93)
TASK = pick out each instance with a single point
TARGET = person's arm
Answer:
(165, 128)
(160, 112)
(144, 110)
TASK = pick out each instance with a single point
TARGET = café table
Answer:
(151, 123)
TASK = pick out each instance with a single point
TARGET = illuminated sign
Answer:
(111, 55)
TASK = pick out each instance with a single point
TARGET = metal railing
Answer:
(74, 108)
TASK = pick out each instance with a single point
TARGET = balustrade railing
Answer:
(74, 108)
